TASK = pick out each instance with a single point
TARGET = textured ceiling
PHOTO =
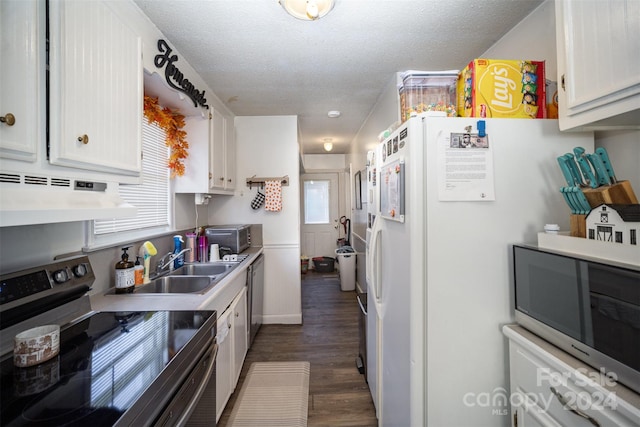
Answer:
(260, 61)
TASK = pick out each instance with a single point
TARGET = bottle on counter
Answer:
(125, 276)
(177, 247)
(203, 249)
(138, 272)
(191, 255)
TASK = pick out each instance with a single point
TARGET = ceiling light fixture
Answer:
(307, 10)
(328, 145)
(333, 114)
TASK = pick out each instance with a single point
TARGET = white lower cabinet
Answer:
(239, 323)
(551, 388)
(223, 362)
(232, 349)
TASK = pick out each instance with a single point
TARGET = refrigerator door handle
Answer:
(373, 265)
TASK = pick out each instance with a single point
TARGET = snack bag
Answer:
(502, 88)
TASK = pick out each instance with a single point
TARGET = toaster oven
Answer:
(235, 237)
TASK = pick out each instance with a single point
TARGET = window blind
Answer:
(152, 196)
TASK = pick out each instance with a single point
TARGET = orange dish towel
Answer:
(273, 195)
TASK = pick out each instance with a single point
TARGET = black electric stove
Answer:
(114, 368)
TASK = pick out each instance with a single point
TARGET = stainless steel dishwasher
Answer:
(255, 292)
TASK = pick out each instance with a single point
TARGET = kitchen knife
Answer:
(568, 199)
(601, 172)
(575, 171)
(564, 167)
(604, 156)
(585, 167)
(581, 201)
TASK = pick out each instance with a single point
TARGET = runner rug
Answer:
(273, 394)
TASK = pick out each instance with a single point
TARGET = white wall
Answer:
(624, 150)
(268, 147)
(315, 162)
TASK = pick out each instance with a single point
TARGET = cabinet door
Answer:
(21, 76)
(196, 178)
(224, 362)
(526, 413)
(217, 150)
(96, 88)
(230, 154)
(598, 63)
(239, 321)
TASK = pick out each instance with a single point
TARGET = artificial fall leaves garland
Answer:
(172, 123)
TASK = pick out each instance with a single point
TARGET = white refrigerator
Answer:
(438, 270)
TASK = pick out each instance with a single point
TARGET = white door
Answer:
(320, 214)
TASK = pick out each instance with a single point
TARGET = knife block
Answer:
(578, 225)
(619, 193)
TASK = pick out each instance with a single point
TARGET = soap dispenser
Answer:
(177, 247)
(125, 276)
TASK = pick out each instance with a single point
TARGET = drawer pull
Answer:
(9, 119)
(579, 413)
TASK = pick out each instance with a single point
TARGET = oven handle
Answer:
(212, 354)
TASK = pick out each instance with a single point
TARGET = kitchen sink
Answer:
(176, 285)
(208, 269)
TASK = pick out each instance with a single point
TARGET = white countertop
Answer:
(216, 298)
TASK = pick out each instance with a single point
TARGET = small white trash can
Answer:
(346, 258)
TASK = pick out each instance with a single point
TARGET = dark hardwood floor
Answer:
(328, 339)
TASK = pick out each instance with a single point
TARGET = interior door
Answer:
(320, 214)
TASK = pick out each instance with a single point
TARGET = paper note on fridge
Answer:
(465, 167)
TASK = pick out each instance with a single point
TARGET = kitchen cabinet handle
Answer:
(84, 139)
(229, 180)
(9, 119)
(237, 314)
(579, 413)
(222, 178)
(562, 81)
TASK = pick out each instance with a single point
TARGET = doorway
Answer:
(320, 212)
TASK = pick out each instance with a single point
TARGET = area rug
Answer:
(273, 394)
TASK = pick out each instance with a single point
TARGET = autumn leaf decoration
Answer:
(172, 123)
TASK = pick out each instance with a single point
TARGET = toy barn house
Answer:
(614, 223)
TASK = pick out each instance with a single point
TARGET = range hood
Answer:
(27, 199)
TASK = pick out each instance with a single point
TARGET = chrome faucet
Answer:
(162, 265)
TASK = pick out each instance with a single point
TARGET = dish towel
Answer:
(273, 195)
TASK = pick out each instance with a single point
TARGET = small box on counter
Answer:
(423, 91)
(552, 99)
(502, 88)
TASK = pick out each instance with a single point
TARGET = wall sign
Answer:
(174, 76)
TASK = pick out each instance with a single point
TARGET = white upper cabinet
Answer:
(96, 88)
(598, 51)
(21, 74)
(210, 166)
(228, 177)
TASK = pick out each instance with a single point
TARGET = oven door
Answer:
(195, 402)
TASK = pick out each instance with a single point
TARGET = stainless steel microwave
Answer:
(587, 307)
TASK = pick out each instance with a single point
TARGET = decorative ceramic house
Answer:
(614, 223)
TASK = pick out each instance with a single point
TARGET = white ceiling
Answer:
(261, 61)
